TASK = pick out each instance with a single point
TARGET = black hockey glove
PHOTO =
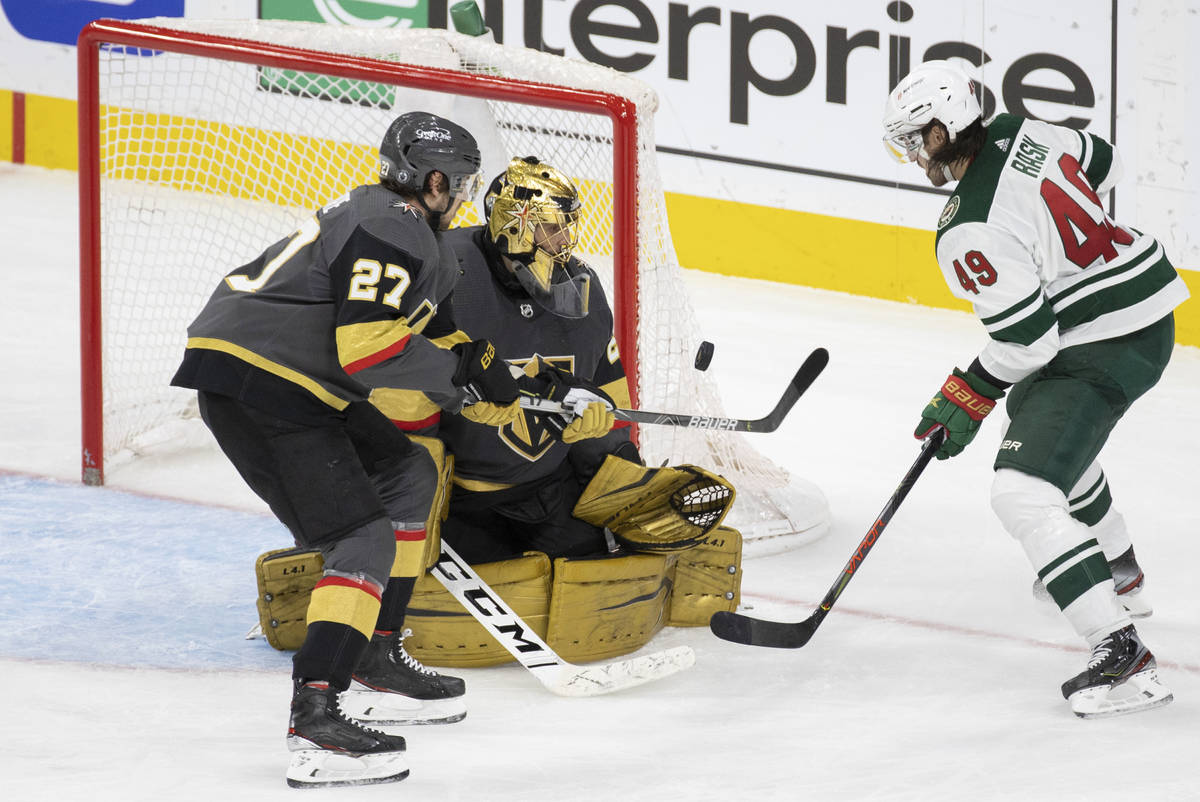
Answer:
(483, 375)
(592, 407)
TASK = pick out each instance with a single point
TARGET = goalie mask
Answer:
(533, 218)
(416, 144)
(935, 90)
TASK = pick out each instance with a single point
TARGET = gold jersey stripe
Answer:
(357, 343)
(262, 363)
(479, 486)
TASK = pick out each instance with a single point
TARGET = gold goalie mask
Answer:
(533, 218)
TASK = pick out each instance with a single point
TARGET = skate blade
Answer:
(321, 768)
(1140, 692)
(378, 709)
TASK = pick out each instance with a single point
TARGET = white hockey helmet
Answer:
(935, 90)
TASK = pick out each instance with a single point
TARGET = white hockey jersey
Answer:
(1026, 240)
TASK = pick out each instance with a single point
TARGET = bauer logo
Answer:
(361, 13)
(712, 423)
(62, 20)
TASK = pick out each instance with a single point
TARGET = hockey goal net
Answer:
(201, 142)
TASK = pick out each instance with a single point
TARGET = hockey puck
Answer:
(704, 355)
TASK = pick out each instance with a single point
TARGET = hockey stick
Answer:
(783, 635)
(559, 676)
(804, 377)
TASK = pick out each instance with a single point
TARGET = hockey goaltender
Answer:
(594, 551)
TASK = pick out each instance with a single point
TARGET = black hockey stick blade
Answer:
(743, 629)
(805, 376)
(752, 631)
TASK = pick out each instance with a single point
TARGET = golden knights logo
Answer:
(529, 435)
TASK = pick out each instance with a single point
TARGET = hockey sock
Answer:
(410, 552)
(1067, 558)
(1090, 503)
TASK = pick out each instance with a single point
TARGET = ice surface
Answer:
(936, 677)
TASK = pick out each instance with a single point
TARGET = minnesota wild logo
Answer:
(949, 211)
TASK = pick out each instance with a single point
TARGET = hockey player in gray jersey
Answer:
(284, 356)
(1079, 315)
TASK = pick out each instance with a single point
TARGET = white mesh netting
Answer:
(205, 161)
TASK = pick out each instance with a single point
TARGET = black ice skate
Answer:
(1121, 677)
(391, 688)
(1129, 580)
(329, 749)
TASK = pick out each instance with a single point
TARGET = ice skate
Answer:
(329, 749)
(1121, 677)
(1129, 580)
(392, 688)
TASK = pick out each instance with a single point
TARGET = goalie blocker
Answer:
(588, 608)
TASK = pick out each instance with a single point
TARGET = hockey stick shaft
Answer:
(519, 639)
(805, 376)
(757, 632)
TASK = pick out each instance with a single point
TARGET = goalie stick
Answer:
(804, 377)
(559, 676)
(784, 635)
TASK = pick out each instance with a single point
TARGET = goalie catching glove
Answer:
(959, 407)
(592, 407)
(655, 509)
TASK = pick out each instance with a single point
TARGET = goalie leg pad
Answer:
(607, 606)
(707, 578)
(655, 509)
(440, 507)
(286, 578)
(445, 634)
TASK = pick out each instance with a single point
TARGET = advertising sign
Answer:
(787, 89)
(360, 13)
(61, 20)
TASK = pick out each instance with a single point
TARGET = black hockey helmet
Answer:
(417, 143)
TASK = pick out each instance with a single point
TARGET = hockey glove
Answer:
(593, 417)
(959, 407)
(592, 406)
(488, 414)
(488, 383)
(483, 375)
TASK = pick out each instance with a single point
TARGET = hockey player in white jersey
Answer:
(1079, 314)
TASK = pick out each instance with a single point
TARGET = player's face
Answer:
(931, 142)
(554, 239)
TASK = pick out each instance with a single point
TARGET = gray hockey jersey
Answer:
(330, 312)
